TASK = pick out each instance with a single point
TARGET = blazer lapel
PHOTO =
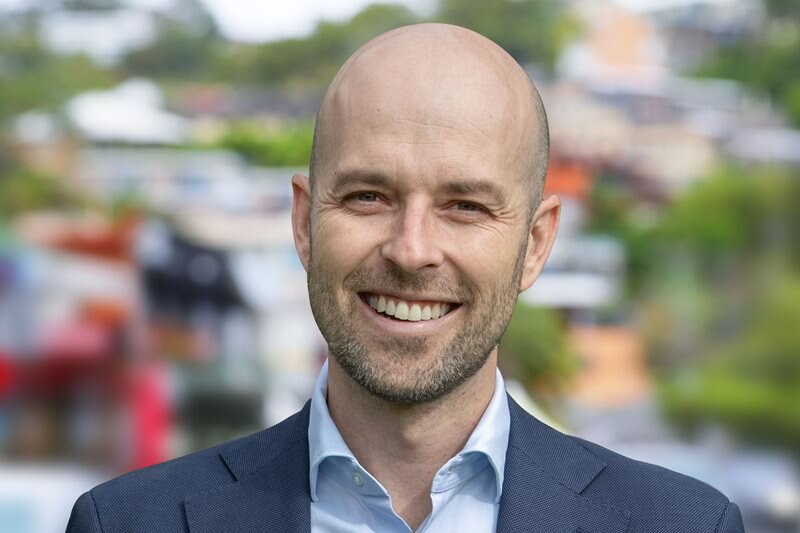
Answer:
(271, 489)
(545, 474)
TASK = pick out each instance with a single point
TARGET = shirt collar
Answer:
(324, 439)
(490, 436)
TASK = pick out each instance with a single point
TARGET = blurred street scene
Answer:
(152, 304)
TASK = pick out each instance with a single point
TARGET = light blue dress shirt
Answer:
(465, 492)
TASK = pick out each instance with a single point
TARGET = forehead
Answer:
(443, 118)
(428, 86)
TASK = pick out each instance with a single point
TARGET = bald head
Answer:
(430, 154)
(436, 77)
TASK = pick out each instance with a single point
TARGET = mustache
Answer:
(393, 278)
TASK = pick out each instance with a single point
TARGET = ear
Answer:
(301, 217)
(540, 239)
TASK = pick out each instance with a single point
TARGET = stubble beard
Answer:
(401, 375)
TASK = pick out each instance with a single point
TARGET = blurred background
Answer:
(151, 303)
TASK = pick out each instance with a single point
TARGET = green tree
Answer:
(187, 46)
(313, 60)
(767, 61)
(534, 350)
(783, 8)
(752, 382)
(736, 213)
(719, 303)
(22, 191)
(532, 31)
(33, 77)
(288, 145)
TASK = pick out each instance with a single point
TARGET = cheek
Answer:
(342, 241)
(486, 261)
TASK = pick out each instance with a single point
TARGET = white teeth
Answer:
(405, 311)
(401, 311)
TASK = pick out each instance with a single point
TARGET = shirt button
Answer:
(358, 479)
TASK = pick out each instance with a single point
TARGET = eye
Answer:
(469, 207)
(364, 202)
(365, 197)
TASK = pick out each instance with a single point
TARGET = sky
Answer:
(258, 20)
(265, 20)
(254, 20)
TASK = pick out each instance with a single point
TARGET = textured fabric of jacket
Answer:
(259, 484)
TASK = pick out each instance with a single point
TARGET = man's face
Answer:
(419, 228)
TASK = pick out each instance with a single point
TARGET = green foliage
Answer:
(529, 30)
(733, 215)
(9, 160)
(187, 46)
(32, 77)
(128, 206)
(716, 215)
(769, 61)
(719, 299)
(176, 54)
(285, 146)
(783, 8)
(89, 5)
(534, 350)
(752, 383)
(314, 60)
(612, 212)
(22, 190)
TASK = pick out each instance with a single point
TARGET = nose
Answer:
(413, 244)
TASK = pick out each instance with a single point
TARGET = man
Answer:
(421, 221)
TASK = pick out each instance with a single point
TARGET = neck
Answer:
(404, 446)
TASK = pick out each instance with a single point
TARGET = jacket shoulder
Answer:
(658, 499)
(151, 499)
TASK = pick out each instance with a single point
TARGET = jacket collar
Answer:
(545, 474)
(270, 491)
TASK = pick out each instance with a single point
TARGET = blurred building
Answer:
(582, 272)
(132, 113)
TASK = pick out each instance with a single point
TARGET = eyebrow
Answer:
(360, 177)
(460, 187)
(479, 187)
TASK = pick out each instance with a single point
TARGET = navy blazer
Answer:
(260, 484)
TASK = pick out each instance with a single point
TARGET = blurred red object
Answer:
(570, 178)
(78, 340)
(152, 416)
(94, 236)
(6, 375)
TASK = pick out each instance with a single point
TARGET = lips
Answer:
(408, 310)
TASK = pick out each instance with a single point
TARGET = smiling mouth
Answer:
(407, 310)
